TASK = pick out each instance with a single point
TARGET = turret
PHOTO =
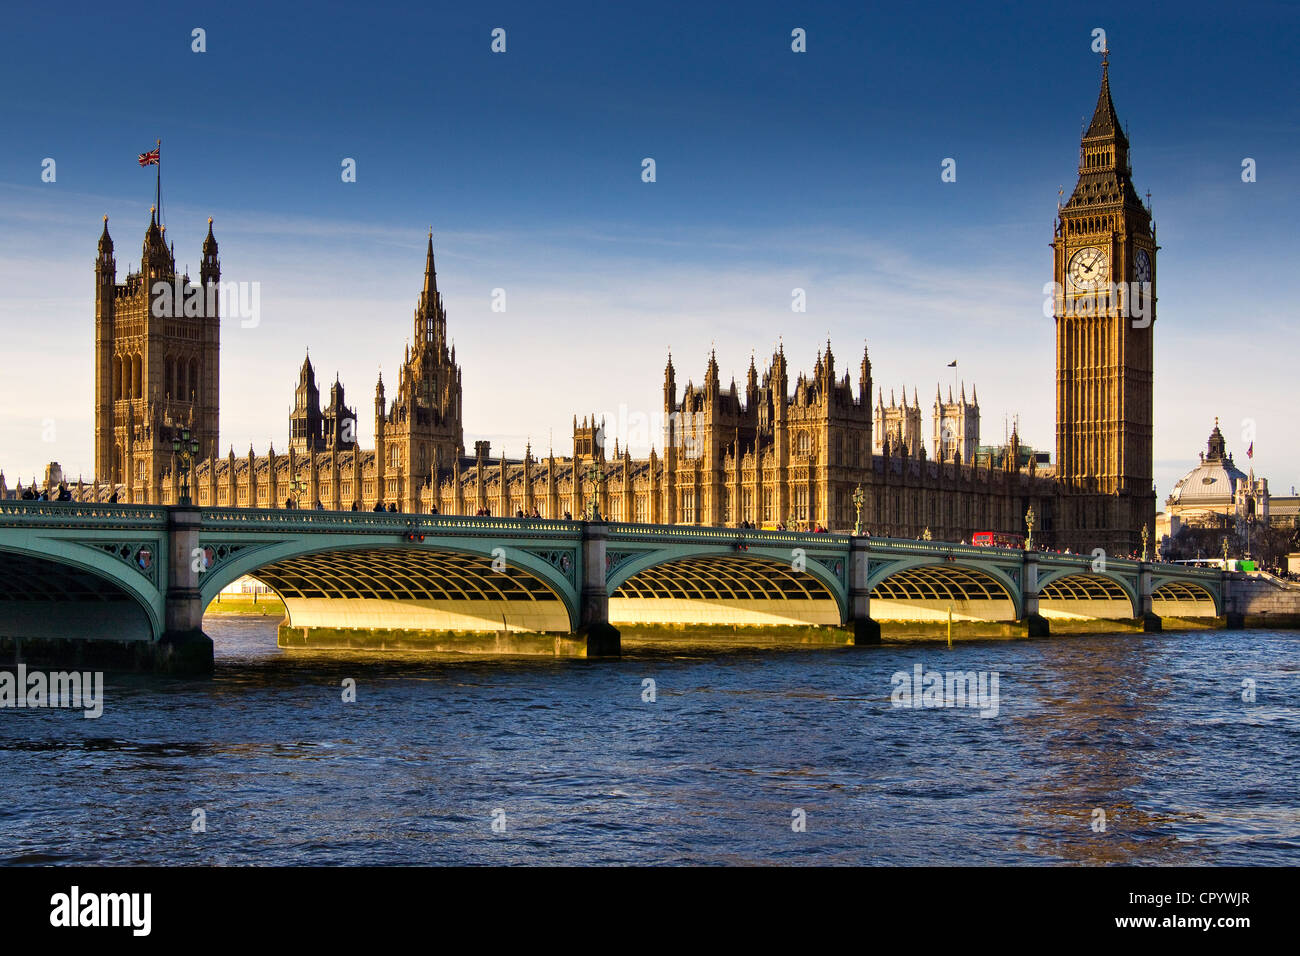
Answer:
(711, 376)
(864, 378)
(104, 264)
(155, 260)
(210, 268)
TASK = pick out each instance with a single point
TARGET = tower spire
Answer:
(430, 274)
(1105, 123)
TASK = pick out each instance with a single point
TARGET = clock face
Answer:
(1142, 266)
(1088, 268)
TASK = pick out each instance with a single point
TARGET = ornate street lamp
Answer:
(186, 449)
(858, 499)
(1146, 539)
(1030, 518)
(925, 535)
(296, 488)
(593, 476)
(1225, 552)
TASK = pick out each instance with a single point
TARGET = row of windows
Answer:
(1090, 224)
(1104, 157)
(180, 377)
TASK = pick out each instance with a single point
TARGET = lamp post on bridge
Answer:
(296, 488)
(1030, 518)
(858, 499)
(1146, 540)
(185, 449)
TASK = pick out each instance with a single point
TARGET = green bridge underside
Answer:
(109, 571)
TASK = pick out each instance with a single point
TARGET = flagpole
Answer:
(157, 195)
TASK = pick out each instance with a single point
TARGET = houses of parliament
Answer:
(785, 448)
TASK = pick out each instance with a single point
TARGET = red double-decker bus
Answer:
(997, 539)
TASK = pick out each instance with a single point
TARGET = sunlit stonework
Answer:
(785, 449)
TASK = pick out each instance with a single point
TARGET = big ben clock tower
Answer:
(1105, 259)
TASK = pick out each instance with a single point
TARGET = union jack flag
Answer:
(151, 158)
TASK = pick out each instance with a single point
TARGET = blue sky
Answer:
(775, 170)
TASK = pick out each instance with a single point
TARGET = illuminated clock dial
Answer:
(1142, 266)
(1088, 268)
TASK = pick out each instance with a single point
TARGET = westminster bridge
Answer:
(127, 585)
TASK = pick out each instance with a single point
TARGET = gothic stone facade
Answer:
(775, 455)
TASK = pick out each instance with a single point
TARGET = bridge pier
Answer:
(1234, 608)
(1034, 623)
(601, 637)
(183, 647)
(1150, 620)
(865, 630)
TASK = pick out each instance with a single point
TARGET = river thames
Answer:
(1103, 750)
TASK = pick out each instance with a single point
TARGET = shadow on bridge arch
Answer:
(58, 595)
(427, 587)
(1085, 595)
(927, 592)
(761, 587)
(1183, 599)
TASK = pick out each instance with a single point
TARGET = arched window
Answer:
(116, 388)
(182, 381)
(169, 377)
(137, 391)
(801, 443)
(193, 393)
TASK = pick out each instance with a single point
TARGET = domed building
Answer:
(1216, 487)
(1216, 494)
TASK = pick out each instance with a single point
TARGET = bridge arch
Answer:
(708, 585)
(925, 590)
(375, 582)
(1086, 594)
(1184, 599)
(63, 590)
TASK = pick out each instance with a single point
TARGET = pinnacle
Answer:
(1105, 122)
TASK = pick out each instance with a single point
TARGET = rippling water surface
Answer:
(1150, 729)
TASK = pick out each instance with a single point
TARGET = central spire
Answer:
(430, 273)
(430, 320)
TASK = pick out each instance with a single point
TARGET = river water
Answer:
(742, 756)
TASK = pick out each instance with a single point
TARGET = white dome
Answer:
(1213, 481)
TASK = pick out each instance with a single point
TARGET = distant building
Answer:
(1216, 494)
(897, 429)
